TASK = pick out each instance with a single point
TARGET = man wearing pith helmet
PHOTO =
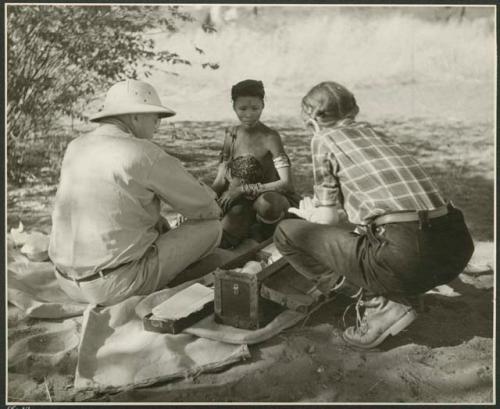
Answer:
(108, 240)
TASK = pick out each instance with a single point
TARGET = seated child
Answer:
(254, 182)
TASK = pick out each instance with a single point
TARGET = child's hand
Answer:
(229, 196)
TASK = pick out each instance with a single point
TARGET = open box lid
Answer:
(291, 289)
(279, 281)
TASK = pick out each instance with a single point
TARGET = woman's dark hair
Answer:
(248, 88)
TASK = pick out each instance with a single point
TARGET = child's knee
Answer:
(237, 215)
(237, 221)
(237, 210)
(271, 207)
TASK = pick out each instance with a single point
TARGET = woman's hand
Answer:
(229, 196)
(315, 214)
(325, 215)
(305, 210)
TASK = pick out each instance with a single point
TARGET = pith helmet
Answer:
(131, 97)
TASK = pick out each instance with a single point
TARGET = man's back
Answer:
(104, 214)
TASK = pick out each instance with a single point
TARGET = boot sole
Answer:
(395, 329)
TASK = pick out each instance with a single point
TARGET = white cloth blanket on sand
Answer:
(115, 352)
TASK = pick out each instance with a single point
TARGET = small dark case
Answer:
(151, 323)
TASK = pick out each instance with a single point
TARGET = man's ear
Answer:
(128, 118)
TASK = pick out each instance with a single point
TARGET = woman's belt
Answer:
(411, 216)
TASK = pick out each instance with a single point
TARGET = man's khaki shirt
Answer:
(108, 200)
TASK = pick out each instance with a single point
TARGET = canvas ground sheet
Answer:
(113, 351)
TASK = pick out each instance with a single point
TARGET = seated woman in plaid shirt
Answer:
(408, 239)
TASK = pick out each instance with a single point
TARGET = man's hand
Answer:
(179, 219)
(309, 211)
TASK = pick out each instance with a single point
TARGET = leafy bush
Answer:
(58, 57)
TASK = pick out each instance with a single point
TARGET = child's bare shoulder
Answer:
(272, 139)
(269, 132)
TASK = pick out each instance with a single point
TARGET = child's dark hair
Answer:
(248, 88)
(328, 102)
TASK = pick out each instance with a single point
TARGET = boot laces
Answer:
(361, 321)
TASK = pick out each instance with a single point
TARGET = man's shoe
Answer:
(382, 317)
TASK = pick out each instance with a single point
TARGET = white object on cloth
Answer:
(18, 235)
(36, 246)
(33, 245)
(482, 260)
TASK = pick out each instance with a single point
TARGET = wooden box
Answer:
(237, 300)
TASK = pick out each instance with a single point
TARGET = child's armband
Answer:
(281, 161)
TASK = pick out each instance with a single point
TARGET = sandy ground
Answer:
(446, 355)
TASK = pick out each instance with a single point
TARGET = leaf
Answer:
(213, 66)
(208, 26)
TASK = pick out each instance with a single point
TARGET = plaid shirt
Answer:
(368, 174)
